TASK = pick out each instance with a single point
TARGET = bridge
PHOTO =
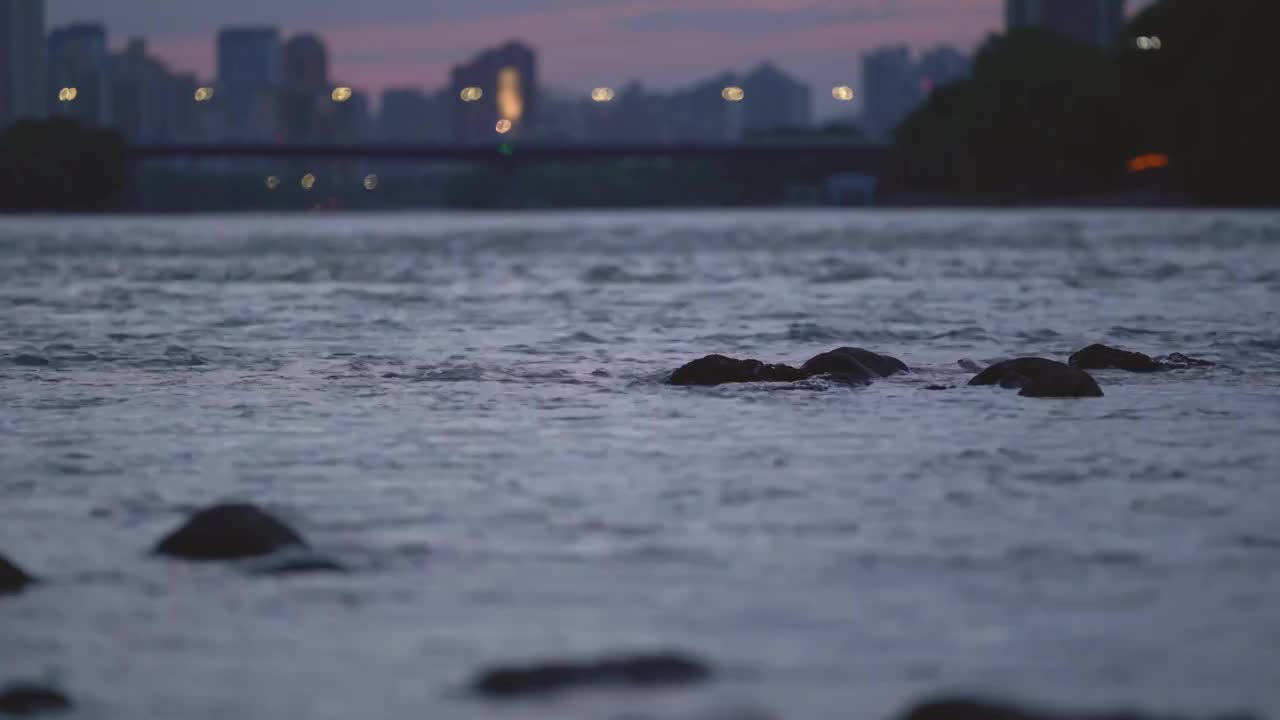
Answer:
(836, 156)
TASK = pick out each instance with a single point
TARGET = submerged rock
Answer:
(648, 670)
(1105, 357)
(12, 578)
(1038, 377)
(853, 363)
(960, 708)
(228, 532)
(25, 699)
(721, 370)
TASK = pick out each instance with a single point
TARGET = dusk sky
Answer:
(376, 44)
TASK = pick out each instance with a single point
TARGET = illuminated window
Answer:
(510, 96)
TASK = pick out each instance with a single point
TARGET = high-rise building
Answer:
(249, 76)
(1096, 22)
(891, 89)
(308, 109)
(495, 95)
(78, 61)
(23, 70)
(941, 66)
(774, 100)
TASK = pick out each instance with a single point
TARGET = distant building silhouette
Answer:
(501, 88)
(891, 89)
(775, 100)
(409, 115)
(1096, 22)
(150, 104)
(249, 77)
(701, 114)
(307, 107)
(941, 66)
(23, 61)
(894, 84)
(78, 59)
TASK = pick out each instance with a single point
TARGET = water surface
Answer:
(468, 411)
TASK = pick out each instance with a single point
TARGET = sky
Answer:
(376, 44)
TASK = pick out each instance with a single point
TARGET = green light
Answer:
(506, 149)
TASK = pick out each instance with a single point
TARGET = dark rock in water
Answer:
(1178, 361)
(25, 699)
(622, 671)
(939, 387)
(1103, 357)
(978, 709)
(721, 370)
(228, 532)
(12, 577)
(853, 363)
(1038, 377)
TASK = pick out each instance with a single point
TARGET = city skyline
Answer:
(393, 43)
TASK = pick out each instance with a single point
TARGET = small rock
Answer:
(25, 699)
(648, 670)
(12, 578)
(939, 387)
(29, 360)
(960, 708)
(722, 370)
(228, 532)
(1040, 378)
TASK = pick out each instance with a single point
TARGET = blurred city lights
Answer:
(733, 93)
(308, 181)
(273, 182)
(67, 94)
(1145, 42)
(471, 94)
(843, 93)
(341, 94)
(1152, 161)
(503, 127)
(602, 94)
(204, 94)
(370, 182)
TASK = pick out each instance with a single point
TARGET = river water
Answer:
(467, 410)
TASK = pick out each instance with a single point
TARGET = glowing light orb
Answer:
(471, 94)
(370, 182)
(341, 94)
(503, 127)
(204, 94)
(308, 181)
(843, 93)
(273, 182)
(733, 93)
(67, 94)
(602, 94)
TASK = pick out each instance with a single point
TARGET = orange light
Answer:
(1150, 161)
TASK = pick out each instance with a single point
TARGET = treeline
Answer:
(1042, 117)
(57, 165)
